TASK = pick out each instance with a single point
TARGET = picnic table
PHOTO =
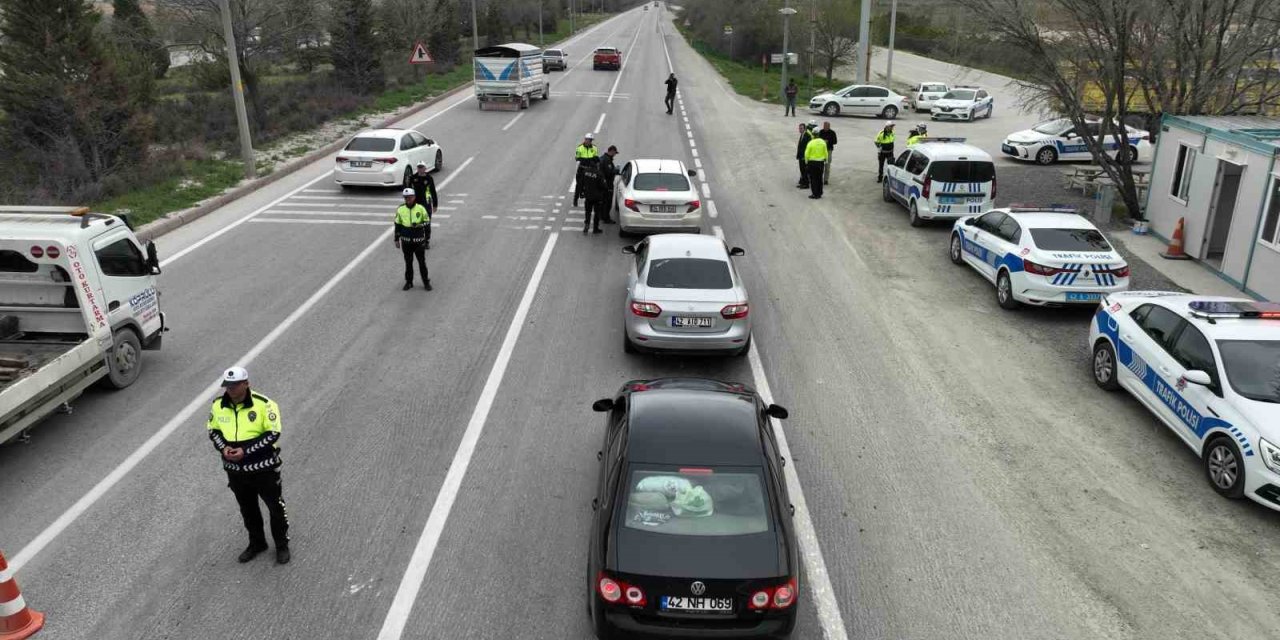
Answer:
(1088, 177)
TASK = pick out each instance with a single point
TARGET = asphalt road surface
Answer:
(960, 474)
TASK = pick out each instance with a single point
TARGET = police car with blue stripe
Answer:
(1039, 256)
(1209, 368)
(1059, 139)
(941, 178)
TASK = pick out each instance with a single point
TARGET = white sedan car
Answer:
(1209, 369)
(652, 195)
(1054, 140)
(926, 93)
(963, 103)
(1042, 257)
(860, 100)
(684, 294)
(385, 158)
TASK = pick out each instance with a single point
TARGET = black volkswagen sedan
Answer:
(692, 535)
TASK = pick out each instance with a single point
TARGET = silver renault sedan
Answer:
(684, 294)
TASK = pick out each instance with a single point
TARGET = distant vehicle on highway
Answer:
(1055, 140)
(553, 59)
(652, 195)
(606, 58)
(860, 100)
(684, 294)
(926, 93)
(1039, 256)
(692, 533)
(79, 304)
(1206, 367)
(964, 103)
(385, 158)
(941, 178)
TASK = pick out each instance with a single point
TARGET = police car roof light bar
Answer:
(1048, 209)
(942, 139)
(1241, 309)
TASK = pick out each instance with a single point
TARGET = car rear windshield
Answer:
(661, 182)
(1253, 368)
(710, 501)
(371, 144)
(606, 50)
(963, 94)
(689, 273)
(962, 171)
(553, 52)
(934, 88)
(1070, 240)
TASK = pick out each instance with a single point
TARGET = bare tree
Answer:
(835, 27)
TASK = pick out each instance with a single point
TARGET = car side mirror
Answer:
(693, 172)
(595, 504)
(737, 251)
(602, 405)
(1198, 377)
(776, 411)
(792, 509)
(430, 141)
(969, 222)
(153, 259)
(629, 250)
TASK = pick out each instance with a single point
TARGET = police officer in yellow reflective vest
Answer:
(815, 157)
(884, 149)
(412, 223)
(245, 428)
(918, 134)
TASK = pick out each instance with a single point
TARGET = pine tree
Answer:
(64, 102)
(354, 49)
(443, 40)
(131, 29)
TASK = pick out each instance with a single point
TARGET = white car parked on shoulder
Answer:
(1207, 368)
(963, 103)
(926, 93)
(385, 158)
(860, 100)
(1039, 256)
(1054, 140)
(652, 195)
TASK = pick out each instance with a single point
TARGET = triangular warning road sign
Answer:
(420, 55)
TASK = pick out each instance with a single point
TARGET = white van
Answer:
(941, 179)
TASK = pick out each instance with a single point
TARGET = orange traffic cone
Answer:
(1175, 252)
(16, 620)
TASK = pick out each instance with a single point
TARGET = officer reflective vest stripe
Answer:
(253, 425)
(816, 150)
(415, 217)
(585, 152)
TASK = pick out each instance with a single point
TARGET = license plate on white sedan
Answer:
(361, 164)
(680, 321)
(1072, 296)
(662, 208)
(702, 605)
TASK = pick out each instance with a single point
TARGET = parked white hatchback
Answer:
(385, 158)
(655, 195)
(927, 93)
(860, 100)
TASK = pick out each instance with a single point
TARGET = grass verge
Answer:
(199, 179)
(755, 81)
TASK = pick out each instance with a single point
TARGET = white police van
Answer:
(1207, 367)
(941, 178)
(1039, 256)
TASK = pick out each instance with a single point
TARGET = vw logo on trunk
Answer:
(698, 588)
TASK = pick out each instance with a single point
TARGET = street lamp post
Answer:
(864, 46)
(475, 28)
(786, 12)
(540, 42)
(237, 91)
(893, 28)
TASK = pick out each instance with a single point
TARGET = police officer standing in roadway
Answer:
(918, 134)
(803, 143)
(586, 154)
(884, 149)
(245, 428)
(424, 192)
(829, 136)
(608, 171)
(815, 157)
(591, 186)
(411, 225)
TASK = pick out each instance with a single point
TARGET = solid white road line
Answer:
(711, 208)
(353, 214)
(815, 567)
(216, 234)
(342, 197)
(319, 206)
(379, 223)
(513, 121)
(199, 402)
(416, 572)
(631, 48)
(599, 123)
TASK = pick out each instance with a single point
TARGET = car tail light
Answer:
(639, 386)
(37, 252)
(1040, 269)
(52, 252)
(616, 591)
(343, 159)
(391, 160)
(645, 309)
(735, 311)
(609, 589)
(785, 595)
(993, 188)
(696, 471)
(1120, 272)
(760, 599)
(928, 183)
(635, 595)
(630, 204)
(693, 206)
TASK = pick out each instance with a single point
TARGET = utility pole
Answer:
(570, 17)
(786, 12)
(893, 29)
(540, 42)
(237, 90)
(864, 44)
(475, 28)
(813, 40)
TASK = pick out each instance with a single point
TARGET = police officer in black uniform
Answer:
(424, 185)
